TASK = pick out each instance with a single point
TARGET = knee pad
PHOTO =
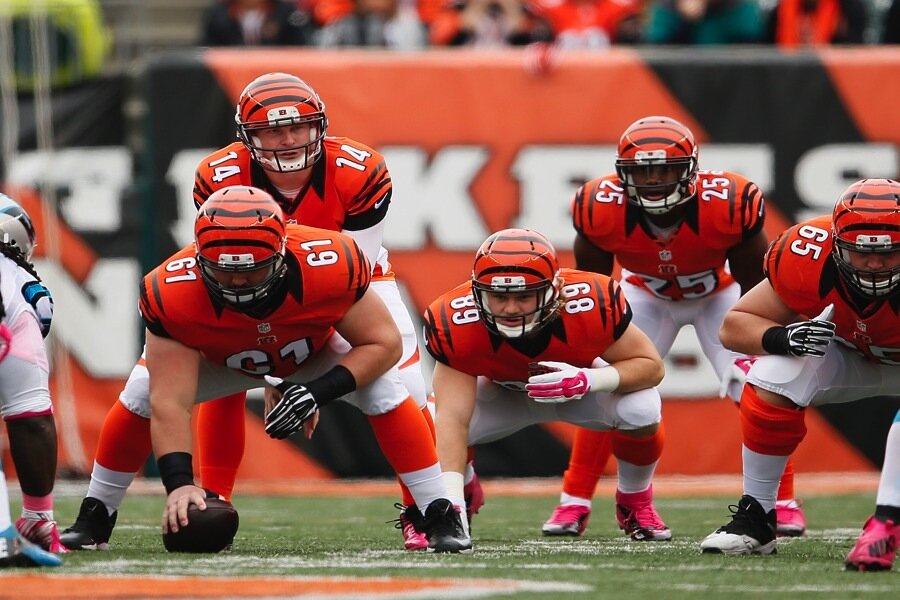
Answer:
(769, 429)
(136, 395)
(639, 409)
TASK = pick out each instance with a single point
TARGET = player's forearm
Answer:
(638, 373)
(743, 332)
(368, 362)
(170, 428)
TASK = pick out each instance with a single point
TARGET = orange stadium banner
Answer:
(479, 141)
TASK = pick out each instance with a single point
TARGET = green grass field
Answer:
(348, 537)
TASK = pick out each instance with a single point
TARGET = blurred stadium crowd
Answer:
(96, 35)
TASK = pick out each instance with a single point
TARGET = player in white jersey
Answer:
(24, 377)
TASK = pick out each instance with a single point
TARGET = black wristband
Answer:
(176, 469)
(337, 382)
(775, 340)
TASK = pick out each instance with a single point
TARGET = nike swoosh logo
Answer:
(378, 204)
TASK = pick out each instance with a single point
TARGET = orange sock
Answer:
(770, 429)
(590, 453)
(220, 442)
(786, 487)
(639, 451)
(404, 491)
(124, 443)
(404, 438)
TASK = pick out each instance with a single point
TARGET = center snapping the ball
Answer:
(211, 530)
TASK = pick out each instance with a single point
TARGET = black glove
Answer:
(296, 407)
(805, 338)
(809, 338)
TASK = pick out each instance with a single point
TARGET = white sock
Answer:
(5, 519)
(425, 485)
(762, 473)
(565, 498)
(889, 484)
(634, 478)
(109, 486)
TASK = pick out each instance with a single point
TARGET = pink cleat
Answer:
(876, 547)
(637, 517)
(410, 524)
(567, 519)
(42, 532)
(789, 518)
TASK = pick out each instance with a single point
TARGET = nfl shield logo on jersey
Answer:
(264, 327)
(665, 255)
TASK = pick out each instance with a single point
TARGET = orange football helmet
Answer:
(240, 230)
(16, 228)
(866, 219)
(516, 261)
(281, 100)
(657, 162)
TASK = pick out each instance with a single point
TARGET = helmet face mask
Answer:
(515, 282)
(16, 228)
(239, 237)
(656, 160)
(282, 121)
(866, 233)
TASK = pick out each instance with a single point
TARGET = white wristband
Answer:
(604, 379)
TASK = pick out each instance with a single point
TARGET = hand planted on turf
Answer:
(296, 407)
(175, 515)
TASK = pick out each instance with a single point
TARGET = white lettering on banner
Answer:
(97, 321)
(549, 176)
(822, 173)
(434, 197)
(180, 176)
(94, 178)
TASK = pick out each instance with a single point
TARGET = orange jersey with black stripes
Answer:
(350, 188)
(593, 315)
(326, 274)
(690, 262)
(800, 267)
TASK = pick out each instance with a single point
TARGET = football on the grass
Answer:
(210, 530)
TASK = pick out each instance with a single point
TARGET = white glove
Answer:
(565, 382)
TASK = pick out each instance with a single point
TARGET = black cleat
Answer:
(92, 528)
(444, 529)
(751, 531)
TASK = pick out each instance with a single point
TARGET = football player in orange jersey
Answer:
(672, 227)
(253, 297)
(334, 183)
(826, 321)
(526, 342)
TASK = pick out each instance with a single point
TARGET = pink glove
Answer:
(5, 340)
(565, 382)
